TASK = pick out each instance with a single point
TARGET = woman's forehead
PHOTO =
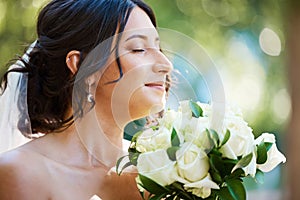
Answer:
(139, 23)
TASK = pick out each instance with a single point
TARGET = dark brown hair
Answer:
(65, 25)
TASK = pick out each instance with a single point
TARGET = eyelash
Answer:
(138, 50)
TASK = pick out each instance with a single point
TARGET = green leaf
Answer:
(261, 153)
(171, 151)
(216, 152)
(118, 164)
(216, 167)
(259, 176)
(136, 135)
(230, 161)
(174, 138)
(211, 142)
(178, 192)
(170, 197)
(213, 135)
(237, 173)
(158, 197)
(216, 162)
(226, 137)
(177, 186)
(184, 195)
(133, 156)
(268, 145)
(196, 109)
(154, 128)
(236, 189)
(228, 165)
(209, 198)
(224, 194)
(216, 177)
(243, 162)
(124, 167)
(152, 186)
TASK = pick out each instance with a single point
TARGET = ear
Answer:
(72, 60)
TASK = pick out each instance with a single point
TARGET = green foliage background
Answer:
(17, 27)
(212, 23)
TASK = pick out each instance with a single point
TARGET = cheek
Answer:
(130, 61)
(127, 87)
(145, 101)
(109, 74)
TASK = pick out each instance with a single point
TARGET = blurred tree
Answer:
(293, 137)
(231, 32)
(247, 41)
(17, 27)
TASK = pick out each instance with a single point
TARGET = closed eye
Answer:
(138, 50)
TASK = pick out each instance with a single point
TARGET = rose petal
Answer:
(275, 157)
(203, 187)
(157, 166)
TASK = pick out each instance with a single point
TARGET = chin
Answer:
(156, 108)
(145, 105)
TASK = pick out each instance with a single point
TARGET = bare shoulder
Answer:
(21, 175)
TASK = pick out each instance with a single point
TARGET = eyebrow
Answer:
(144, 37)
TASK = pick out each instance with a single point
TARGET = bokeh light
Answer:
(281, 106)
(270, 42)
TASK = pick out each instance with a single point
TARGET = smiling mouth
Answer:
(156, 85)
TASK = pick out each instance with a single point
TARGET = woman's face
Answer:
(141, 90)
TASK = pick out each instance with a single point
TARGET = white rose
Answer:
(203, 187)
(275, 157)
(184, 115)
(184, 108)
(233, 110)
(143, 142)
(195, 132)
(192, 162)
(151, 140)
(170, 119)
(157, 166)
(241, 141)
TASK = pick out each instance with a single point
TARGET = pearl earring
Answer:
(90, 97)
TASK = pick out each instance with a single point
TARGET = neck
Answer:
(101, 138)
(76, 152)
(112, 129)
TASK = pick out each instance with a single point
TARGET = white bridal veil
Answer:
(14, 118)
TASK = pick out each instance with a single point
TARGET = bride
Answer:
(95, 66)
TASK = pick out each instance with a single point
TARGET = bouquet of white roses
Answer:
(183, 158)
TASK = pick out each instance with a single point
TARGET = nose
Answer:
(162, 63)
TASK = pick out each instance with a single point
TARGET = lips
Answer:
(153, 84)
(156, 85)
